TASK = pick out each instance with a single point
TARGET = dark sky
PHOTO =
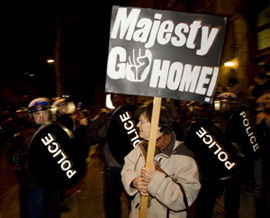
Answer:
(30, 31)
(29, 27)
(29, 39)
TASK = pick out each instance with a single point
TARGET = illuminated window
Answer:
(263, 25)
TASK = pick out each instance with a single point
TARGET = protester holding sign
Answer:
(36, 200)
(175, 173)
(164, 54)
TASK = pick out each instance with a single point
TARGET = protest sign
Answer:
(164, 53)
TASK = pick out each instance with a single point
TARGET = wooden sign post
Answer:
(151, 147)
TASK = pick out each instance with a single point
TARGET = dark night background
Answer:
(30, 29)
(30, 33)
(76, 34)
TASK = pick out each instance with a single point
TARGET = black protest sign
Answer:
(164, 53)
(54, 159)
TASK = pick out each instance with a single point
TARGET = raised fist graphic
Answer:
(138, 65)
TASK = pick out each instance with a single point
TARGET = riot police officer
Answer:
(36, 200)
(221, 155)
(64, 110)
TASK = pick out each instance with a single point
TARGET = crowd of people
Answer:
(175, 186)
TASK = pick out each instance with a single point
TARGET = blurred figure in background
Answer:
(262, 164)
(65, 113)
(64, 110)
(262, 81)
(22, 118)
(234, 87)
(83, 118)
(96, 133)
(7, 125)
(76, 121)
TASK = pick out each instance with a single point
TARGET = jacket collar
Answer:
(169, 150)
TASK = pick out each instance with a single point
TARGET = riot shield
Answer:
(54, 159)
(122, 135)
(216, 156)
(240, 130)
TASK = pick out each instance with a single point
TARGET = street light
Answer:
(57, 76)
(229, 64)
(50, 61)
(232, 63)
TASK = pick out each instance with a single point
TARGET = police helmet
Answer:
(225, 102)
(69, 105)
(60, 102)
(39, 104)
